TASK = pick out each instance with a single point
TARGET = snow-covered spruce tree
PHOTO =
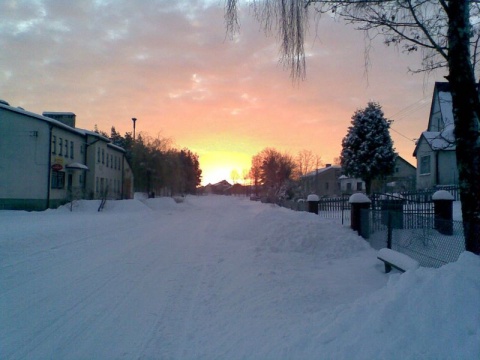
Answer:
(367, 149)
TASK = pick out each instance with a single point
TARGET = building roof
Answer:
(445, 139)
(46, 119)
(322, 170)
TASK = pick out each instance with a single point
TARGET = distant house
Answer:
(323, 182)
(46, 161)
(349, 185)
(220, 188)
(402, 179)
(435, 149)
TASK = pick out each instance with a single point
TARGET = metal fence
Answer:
(329, 208)
(432, 242)
(405, 222)
(335, 208)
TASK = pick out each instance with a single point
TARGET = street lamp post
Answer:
(134, 121)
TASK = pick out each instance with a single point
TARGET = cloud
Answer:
(171, 65)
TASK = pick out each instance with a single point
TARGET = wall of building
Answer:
(66, 184)
(23, 162)
(447, 168)
(325, 182)
(43, 163)
(106, 173)
(425, 179)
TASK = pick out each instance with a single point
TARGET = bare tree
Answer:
(234, 175)
(447, 32)
(306, 161)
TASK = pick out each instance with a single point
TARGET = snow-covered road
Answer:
(210, 278)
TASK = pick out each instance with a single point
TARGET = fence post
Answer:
(443, 207)
(313, 201)
(358, 202)
(389, 230)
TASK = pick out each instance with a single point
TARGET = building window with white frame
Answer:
(60, 146)
(71, 149)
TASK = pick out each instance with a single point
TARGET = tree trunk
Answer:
(368, 186)
(466, 106)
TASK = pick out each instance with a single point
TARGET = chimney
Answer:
(67, 118)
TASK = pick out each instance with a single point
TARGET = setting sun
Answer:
(218, 165)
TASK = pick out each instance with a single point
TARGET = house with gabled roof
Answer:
(323, 182)
(435, 149)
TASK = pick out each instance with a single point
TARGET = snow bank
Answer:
(422, 314)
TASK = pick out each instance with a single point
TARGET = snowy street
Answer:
(219, 278)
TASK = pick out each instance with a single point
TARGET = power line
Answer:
(405, 112)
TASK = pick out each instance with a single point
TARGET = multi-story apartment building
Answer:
(46, 161)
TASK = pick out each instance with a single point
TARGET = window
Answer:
(98, 155)
(54, 144)
(326, 185)
(359, 186)
(66, 148)
(71, 149)
(103, 156)
(58, 179)
(81, 149)
(425, 165)
(108, 157)
(60, 146)
(349, 186)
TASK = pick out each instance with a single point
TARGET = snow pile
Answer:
(421, 314)
(220, 278)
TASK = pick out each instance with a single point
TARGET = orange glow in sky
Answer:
(170, 65)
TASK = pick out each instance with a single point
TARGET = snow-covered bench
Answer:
(399, 261)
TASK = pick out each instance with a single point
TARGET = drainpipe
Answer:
(49, 176)
(123, 175)
(85, 171)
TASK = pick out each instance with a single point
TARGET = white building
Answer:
(45, 161)
(435, 149)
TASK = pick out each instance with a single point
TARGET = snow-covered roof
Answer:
(93, 133)
(77, 166)
(46, 119)
(322, 170)
(440, 140)
(445, 102)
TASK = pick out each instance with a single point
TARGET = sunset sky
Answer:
(171, 65)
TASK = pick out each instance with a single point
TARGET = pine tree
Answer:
(367, 149)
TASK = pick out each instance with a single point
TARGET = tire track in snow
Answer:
(110, 279)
